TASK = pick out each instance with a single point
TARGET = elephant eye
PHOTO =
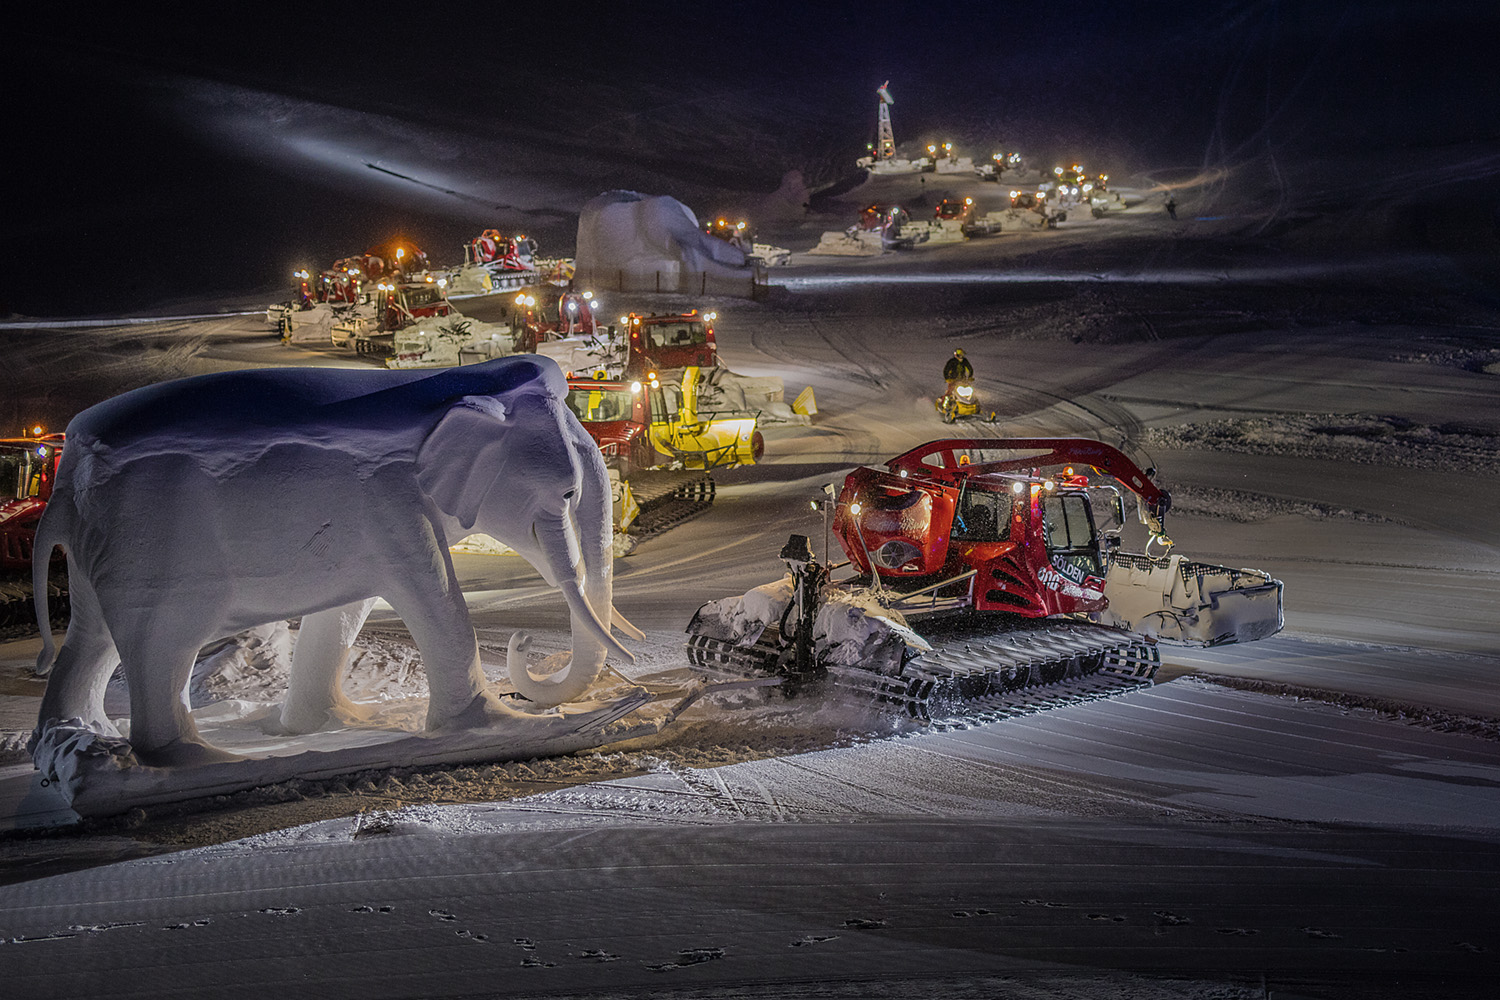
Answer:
(569, 495)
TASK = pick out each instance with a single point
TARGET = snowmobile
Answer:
(959, 400)
(994, 548)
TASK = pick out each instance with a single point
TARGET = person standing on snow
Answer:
(1172, 207)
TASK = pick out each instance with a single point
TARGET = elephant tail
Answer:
(52, 530)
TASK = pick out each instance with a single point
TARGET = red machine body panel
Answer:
(990, 535)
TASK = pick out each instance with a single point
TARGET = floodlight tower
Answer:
(885, 140)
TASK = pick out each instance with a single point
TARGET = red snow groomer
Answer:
(501, 253)
(955, 210)
(400, 302)
(575, 317)
(736, 234)
(28, 468)
(343, 283)
(873, 217)
(394, 259)
(667, 342)
(1007, 552)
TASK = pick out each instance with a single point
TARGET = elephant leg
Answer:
(458, 692)
(318, 665)
(87, 658)
(158, 664)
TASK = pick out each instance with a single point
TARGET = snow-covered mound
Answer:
(1455, 446)
(442, 342)
(585, 355)
(314, 327)
(633, 238)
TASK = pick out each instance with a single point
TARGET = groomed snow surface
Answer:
(1314, 815)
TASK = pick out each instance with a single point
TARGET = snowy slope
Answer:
(1210, 834)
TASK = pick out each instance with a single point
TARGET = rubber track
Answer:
(668, 499)
(980, 665)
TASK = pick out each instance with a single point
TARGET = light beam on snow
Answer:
(77, 324)
(1167, 277)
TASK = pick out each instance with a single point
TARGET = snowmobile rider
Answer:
(958, 367)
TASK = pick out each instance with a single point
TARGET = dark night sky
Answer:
(106, 163)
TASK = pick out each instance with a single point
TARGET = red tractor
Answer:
(994, 536)
(665, 342)
(501, 253)
(873, 217)
(662, 443)
(28, 467)
(955, 210)
(342, 284)
(575, 317)
(400, 302)
(648, 423)
(997, 547)
(736, 234)
(393, 259)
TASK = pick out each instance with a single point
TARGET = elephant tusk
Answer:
(580, 606)
(625, 626)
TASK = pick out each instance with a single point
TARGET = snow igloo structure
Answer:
(635, 242)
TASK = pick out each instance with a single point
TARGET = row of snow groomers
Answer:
(971, 669)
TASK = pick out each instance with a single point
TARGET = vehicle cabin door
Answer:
(663, 401)
(1072, 539)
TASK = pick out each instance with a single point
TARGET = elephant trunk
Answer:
(590, 604)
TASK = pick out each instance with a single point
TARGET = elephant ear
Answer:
(448, 464)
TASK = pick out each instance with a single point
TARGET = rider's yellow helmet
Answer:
(958, 352)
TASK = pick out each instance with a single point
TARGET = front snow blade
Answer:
(1198, 604)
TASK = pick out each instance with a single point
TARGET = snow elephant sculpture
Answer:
(197, 508)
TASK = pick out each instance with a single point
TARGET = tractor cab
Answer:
(1072, 539)
(955, 209)
(341, 283)
(962, 521)
(402, 303)
(874, 217)
(666, 342)
(647, 422)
